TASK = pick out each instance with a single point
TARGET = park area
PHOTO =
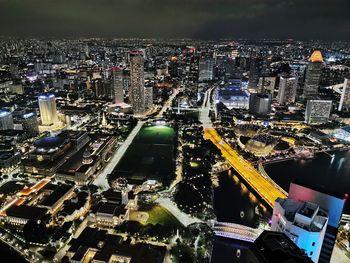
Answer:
(149, 157)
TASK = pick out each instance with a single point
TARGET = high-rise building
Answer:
(267, 85)
(48, 111)
(260, 104)
(254, 72)
(6, 120)
(206, 69)
(313, 74)
(287, 90)
(148, 97)
(345, 96)
(137, 81)
(117, 85)
(333, 203)
(318, 111)
(303, 222)
(30, 123)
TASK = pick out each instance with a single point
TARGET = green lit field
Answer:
(150, 156)
(157, 215)
(156, 135)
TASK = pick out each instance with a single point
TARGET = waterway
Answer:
(325, 172)
(9, 255)
(232, 197)
(233, 202)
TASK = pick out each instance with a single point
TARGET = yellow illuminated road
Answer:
(265, 188)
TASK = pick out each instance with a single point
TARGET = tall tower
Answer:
(313, 74)
(287, 90)
(30, 123)
(117, 85)
(137, 80)
(148, 97)
(48, 111)
(345, 96)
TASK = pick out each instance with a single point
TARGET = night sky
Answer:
(203, 19)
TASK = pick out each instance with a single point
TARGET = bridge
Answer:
(263, 186)
(236, 231)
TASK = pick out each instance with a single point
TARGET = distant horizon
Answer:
(2, 37)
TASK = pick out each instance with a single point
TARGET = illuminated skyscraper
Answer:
(6, 120)
(318, 111)
(117, 85)
(137, 82)
(148, 97)
(254, 72)
(48, 111)
(287, 90)
(313, 74)
(345, 96)
(206, 68)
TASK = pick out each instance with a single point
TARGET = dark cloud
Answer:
(208, 19)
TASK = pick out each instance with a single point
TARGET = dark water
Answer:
(9, 255)
(323, 172)
(232, 198)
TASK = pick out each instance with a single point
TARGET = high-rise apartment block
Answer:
(137, 82)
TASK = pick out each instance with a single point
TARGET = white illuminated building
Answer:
(48, 111)
(304, 223)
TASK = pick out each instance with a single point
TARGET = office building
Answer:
(318, 111)
(332, 203)
(206, 69)
(6, 120)
(254, 72)
(260, 104)
(117, 85)
(30, 123)
(137, 82)
(148, 97)
(267, 85)
(345, 96)
(287, 90)
(48, 111)
(313, 74)
(304, 223)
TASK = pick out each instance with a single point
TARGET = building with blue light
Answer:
(232, 96)
(304, 223)
(30, 124)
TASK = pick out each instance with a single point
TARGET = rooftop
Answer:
(316, 57)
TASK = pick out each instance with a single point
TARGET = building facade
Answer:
(260, 103)
(287, 90)
(313, 74)
(137, 82)
(345, 96)
(48, 111)
(6, 120)
(117, 85)
(30, 123)
(318, 111)
(303, 222)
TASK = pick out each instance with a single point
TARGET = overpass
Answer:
(268, 190)
(236, 231)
